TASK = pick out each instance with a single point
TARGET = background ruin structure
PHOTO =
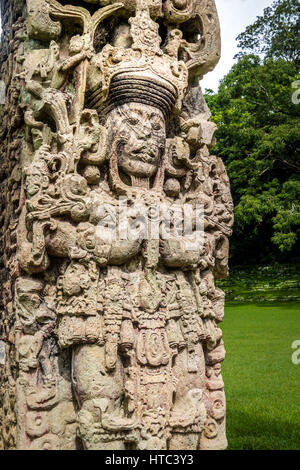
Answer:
(107, 342)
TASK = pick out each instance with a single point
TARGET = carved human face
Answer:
(75, 279)
(35, 180)
(76, 44)
(28, 302)
(139, 131)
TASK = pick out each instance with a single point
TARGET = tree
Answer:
(276, 34)
(259, 141)
(259, 135)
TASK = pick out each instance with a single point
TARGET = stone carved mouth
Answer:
(145, 157)
(146, 154)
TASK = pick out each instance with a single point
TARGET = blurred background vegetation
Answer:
(257, 110)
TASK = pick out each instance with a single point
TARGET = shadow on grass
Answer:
(247, 431)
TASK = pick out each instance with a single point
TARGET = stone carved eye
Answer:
(133, 121)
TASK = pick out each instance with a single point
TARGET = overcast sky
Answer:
(234, 15)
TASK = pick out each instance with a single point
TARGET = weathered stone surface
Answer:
(109, 340)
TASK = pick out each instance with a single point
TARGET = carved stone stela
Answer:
(108, 341)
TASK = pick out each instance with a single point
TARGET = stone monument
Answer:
(114, 226)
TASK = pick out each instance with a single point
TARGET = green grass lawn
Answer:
(262, 384)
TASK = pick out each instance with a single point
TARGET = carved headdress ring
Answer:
(142, 73)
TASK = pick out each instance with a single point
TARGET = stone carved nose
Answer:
(147, 129)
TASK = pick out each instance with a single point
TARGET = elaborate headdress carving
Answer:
(142, 73)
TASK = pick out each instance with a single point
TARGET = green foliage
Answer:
(259, 137)
(275, 34)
